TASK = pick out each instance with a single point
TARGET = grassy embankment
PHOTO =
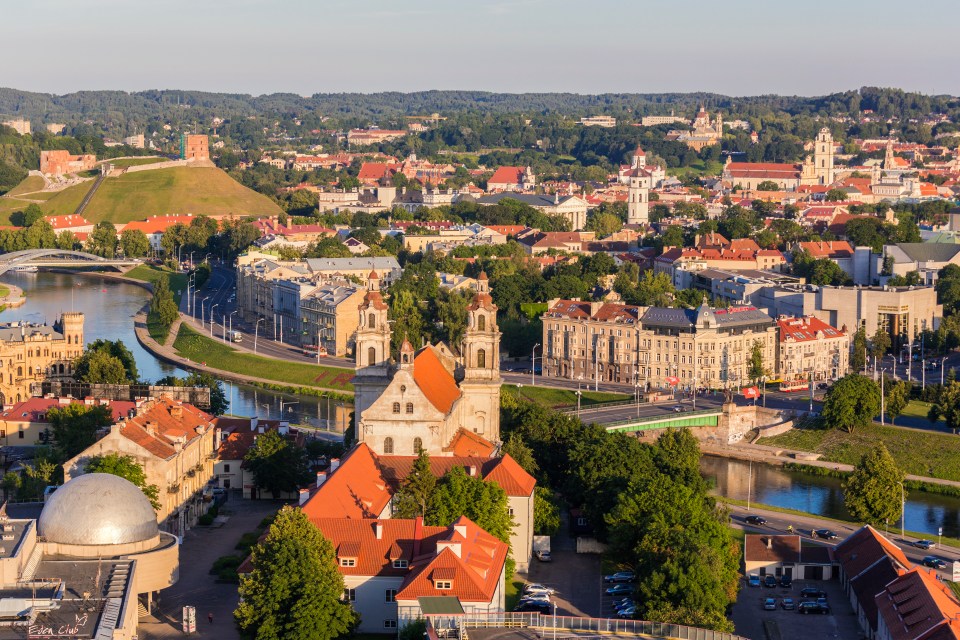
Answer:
(135, 196)
(29, 185)
(120, 163)
(922, 453)
(200, 348)
(562, 398)
(178, 284)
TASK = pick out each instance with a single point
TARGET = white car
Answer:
(534, 589)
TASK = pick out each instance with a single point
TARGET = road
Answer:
(777, 524)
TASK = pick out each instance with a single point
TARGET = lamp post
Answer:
(579, 393)
(191, 279)
(943, 365)
(695, 365)
(191, 258)
(231, 323)
(903, 510)
(202, 302)
(883, 404)
(533, 365)
(211, 318)
(256, 331)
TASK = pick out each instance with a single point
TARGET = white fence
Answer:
(591, 625)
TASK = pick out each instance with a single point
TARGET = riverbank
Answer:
(11, 296)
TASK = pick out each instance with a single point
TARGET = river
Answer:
(109, 307)
(819, 495)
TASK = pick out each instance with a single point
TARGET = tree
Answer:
(825, 271)
(162, 305)
(517, 449)
(653, 290)
(897, 396)
(947, 406)
(416, 491)
(872, 493)
(94, 367)
(546, 512)
(31, 214)
(278, 465)
(103, 240)
(74, 427)
(858, 359)
(134, 243)
(125, 467)
(879, 343)
(295, 589)
(768, 185)
(604, 224)
(836, 195)
(485, 503)
(218, 398)
(757, 370)
(851, 402)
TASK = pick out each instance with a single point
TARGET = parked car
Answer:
(787, 604)
(923, 544)
(623, 602)
(620, 590)
(753, 580)
(824, 534)
(535, 587)
(534, 606)
(627, 604)
(620, 576)
(628, 612)
(812, 607)
(935, 562)
(823, 603)
(770, 582)
(757, 520)
(812, 592)
(786, 581)
(544, 556)
(770, 604)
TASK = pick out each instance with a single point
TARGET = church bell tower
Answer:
(372, 352)
(481, 366)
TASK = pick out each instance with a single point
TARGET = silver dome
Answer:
(95, 509)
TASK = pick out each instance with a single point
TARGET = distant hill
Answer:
(134, 196)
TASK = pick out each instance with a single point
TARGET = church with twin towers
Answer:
(430, 399)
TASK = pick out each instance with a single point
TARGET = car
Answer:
(626, 603)
(812, 592)
(534, 607)
(823, 385)
(535, 587)
(923, 544)
(628, 612)
(544, 556)
(757, 520)
(770, 582)
(620, 576)
(753, 580)
(786, 581)
(823, 603)
(787, 604)
(619, 590)
(770, 604)
(824, 534)
(935, 562)
(812, 607)
(677, 409)
(538, 599)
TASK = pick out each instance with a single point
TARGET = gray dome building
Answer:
(98, 509)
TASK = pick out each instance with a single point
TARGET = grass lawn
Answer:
(917, 409)
(157, 330)
(66, 202)
(922, 453)
(698, 168)
(151, 273)
(4, 291)
(511, 593)
(559, 398)
(30, 184)
(135, 196)
(134, 162)
(199, 348)
(9, 206)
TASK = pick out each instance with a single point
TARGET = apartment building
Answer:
(654, 346)
(808, 346)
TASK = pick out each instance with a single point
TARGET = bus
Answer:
(790, 386)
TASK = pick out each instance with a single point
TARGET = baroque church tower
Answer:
(480, 408)
(638, 192)
(823, 157)
(372, 348)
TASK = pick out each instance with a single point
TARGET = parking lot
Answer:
(574, 576)
(752, 621)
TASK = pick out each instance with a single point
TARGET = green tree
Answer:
(74, 427)
(10, 483)
(37, 476)
(485, 503)
(768, 185)
(825, 271)
(31, 214)
(879, 343)
(277, 464)
(546, 512)
(604, 224)
(106, 369)
(947, 406)
(851, 402)
(897, 396)
(103, 240)
(413, 497)
(872, 492)
(125, 467)
(218, 397)
(162, 305)
(134, 243)
(653, 290)
(836, 195)
(757, 370)
(517, 449)
(408, 322)
(858, 359)
(295, 590)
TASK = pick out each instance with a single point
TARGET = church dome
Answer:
(98, 509)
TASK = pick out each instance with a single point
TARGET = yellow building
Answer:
(31, 353)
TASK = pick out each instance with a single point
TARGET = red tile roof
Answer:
(355, 490)
(158, 224)
(915, 604)
(467, 443)
(507, 175)
(35, 409)
(504, 471)
(157, 427)
(61, 223)
(865, 547)
(763, 170)
(833, 249)
(375, 171)
(805, 329)
(435, 381)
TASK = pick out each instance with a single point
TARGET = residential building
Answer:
(705, 132)
(155, 226)
(675, 260)
(809, 346)
(511, 179)
(329, 314)
(420, 405)
(32, 353)
(59, 162)
(703, 347)
(925, 258)
(136, 141)
(27, 424)
(653, 121)
(19, 125)
(78, 225)
(176, 444)
(363, 137)
(55, 128)
(536, 242)
(786, 556)
(858, 263)
(917, 604)
(355, 268)
(599, 121)
(236, 437)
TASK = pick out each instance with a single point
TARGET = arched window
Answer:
(396, 407)
(481, 323)
(371, 356)
(409, 407)
(372, 321)
(481, 358)
(417, 446)
(19, 372)
(61, 369)
(388, 445)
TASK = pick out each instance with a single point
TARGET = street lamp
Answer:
(191, 279)
(202, 302)
(211, 318)
(903, 510)
(231, 323)
(883, 404)
(256, 330)
(943, 365)
(533, 365)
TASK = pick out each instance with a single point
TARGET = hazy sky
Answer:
(736, 47)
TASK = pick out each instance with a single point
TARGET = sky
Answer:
(736, 47)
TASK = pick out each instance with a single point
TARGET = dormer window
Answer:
(442, 585)
(348, 562)
(400, 563)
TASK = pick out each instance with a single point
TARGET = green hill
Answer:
(134, 196)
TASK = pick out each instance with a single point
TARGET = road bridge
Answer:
(61, 259)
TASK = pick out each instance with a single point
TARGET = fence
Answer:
(592, 625)
(701, 417)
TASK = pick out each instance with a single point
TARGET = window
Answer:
(400, 563)
(388, 445)
(390, 595)
(409, 407)
(20, 434)
(226, 468)
(417, 446)
(350, 595)
(348, 562)
(396, 407)
(481, 323)
(443, 584)
(390, 624)
(372, 321)
(481, 358)
(371, 356)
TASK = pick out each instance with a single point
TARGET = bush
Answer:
(205, 520)
(226, 562)
(247, 541)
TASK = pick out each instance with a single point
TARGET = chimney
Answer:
(417, 534)
(472, 470)
(304, 496)
(176, 411)
(321, 477)
(769, 543)
(378, 529)
(334, 464)
(151, 427)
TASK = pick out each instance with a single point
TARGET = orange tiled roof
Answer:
(915, 604)
(805, 329)
(504, 471)
(435, 381)
(355, 490)
(863, 548)
(467, 443)
(357, 538)
(507, 175)
(157, 428)
(158, 224)
(35, 409)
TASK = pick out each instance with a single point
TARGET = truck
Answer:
(236, 336)
(541, 548)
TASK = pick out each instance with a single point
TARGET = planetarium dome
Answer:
(98, 509)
